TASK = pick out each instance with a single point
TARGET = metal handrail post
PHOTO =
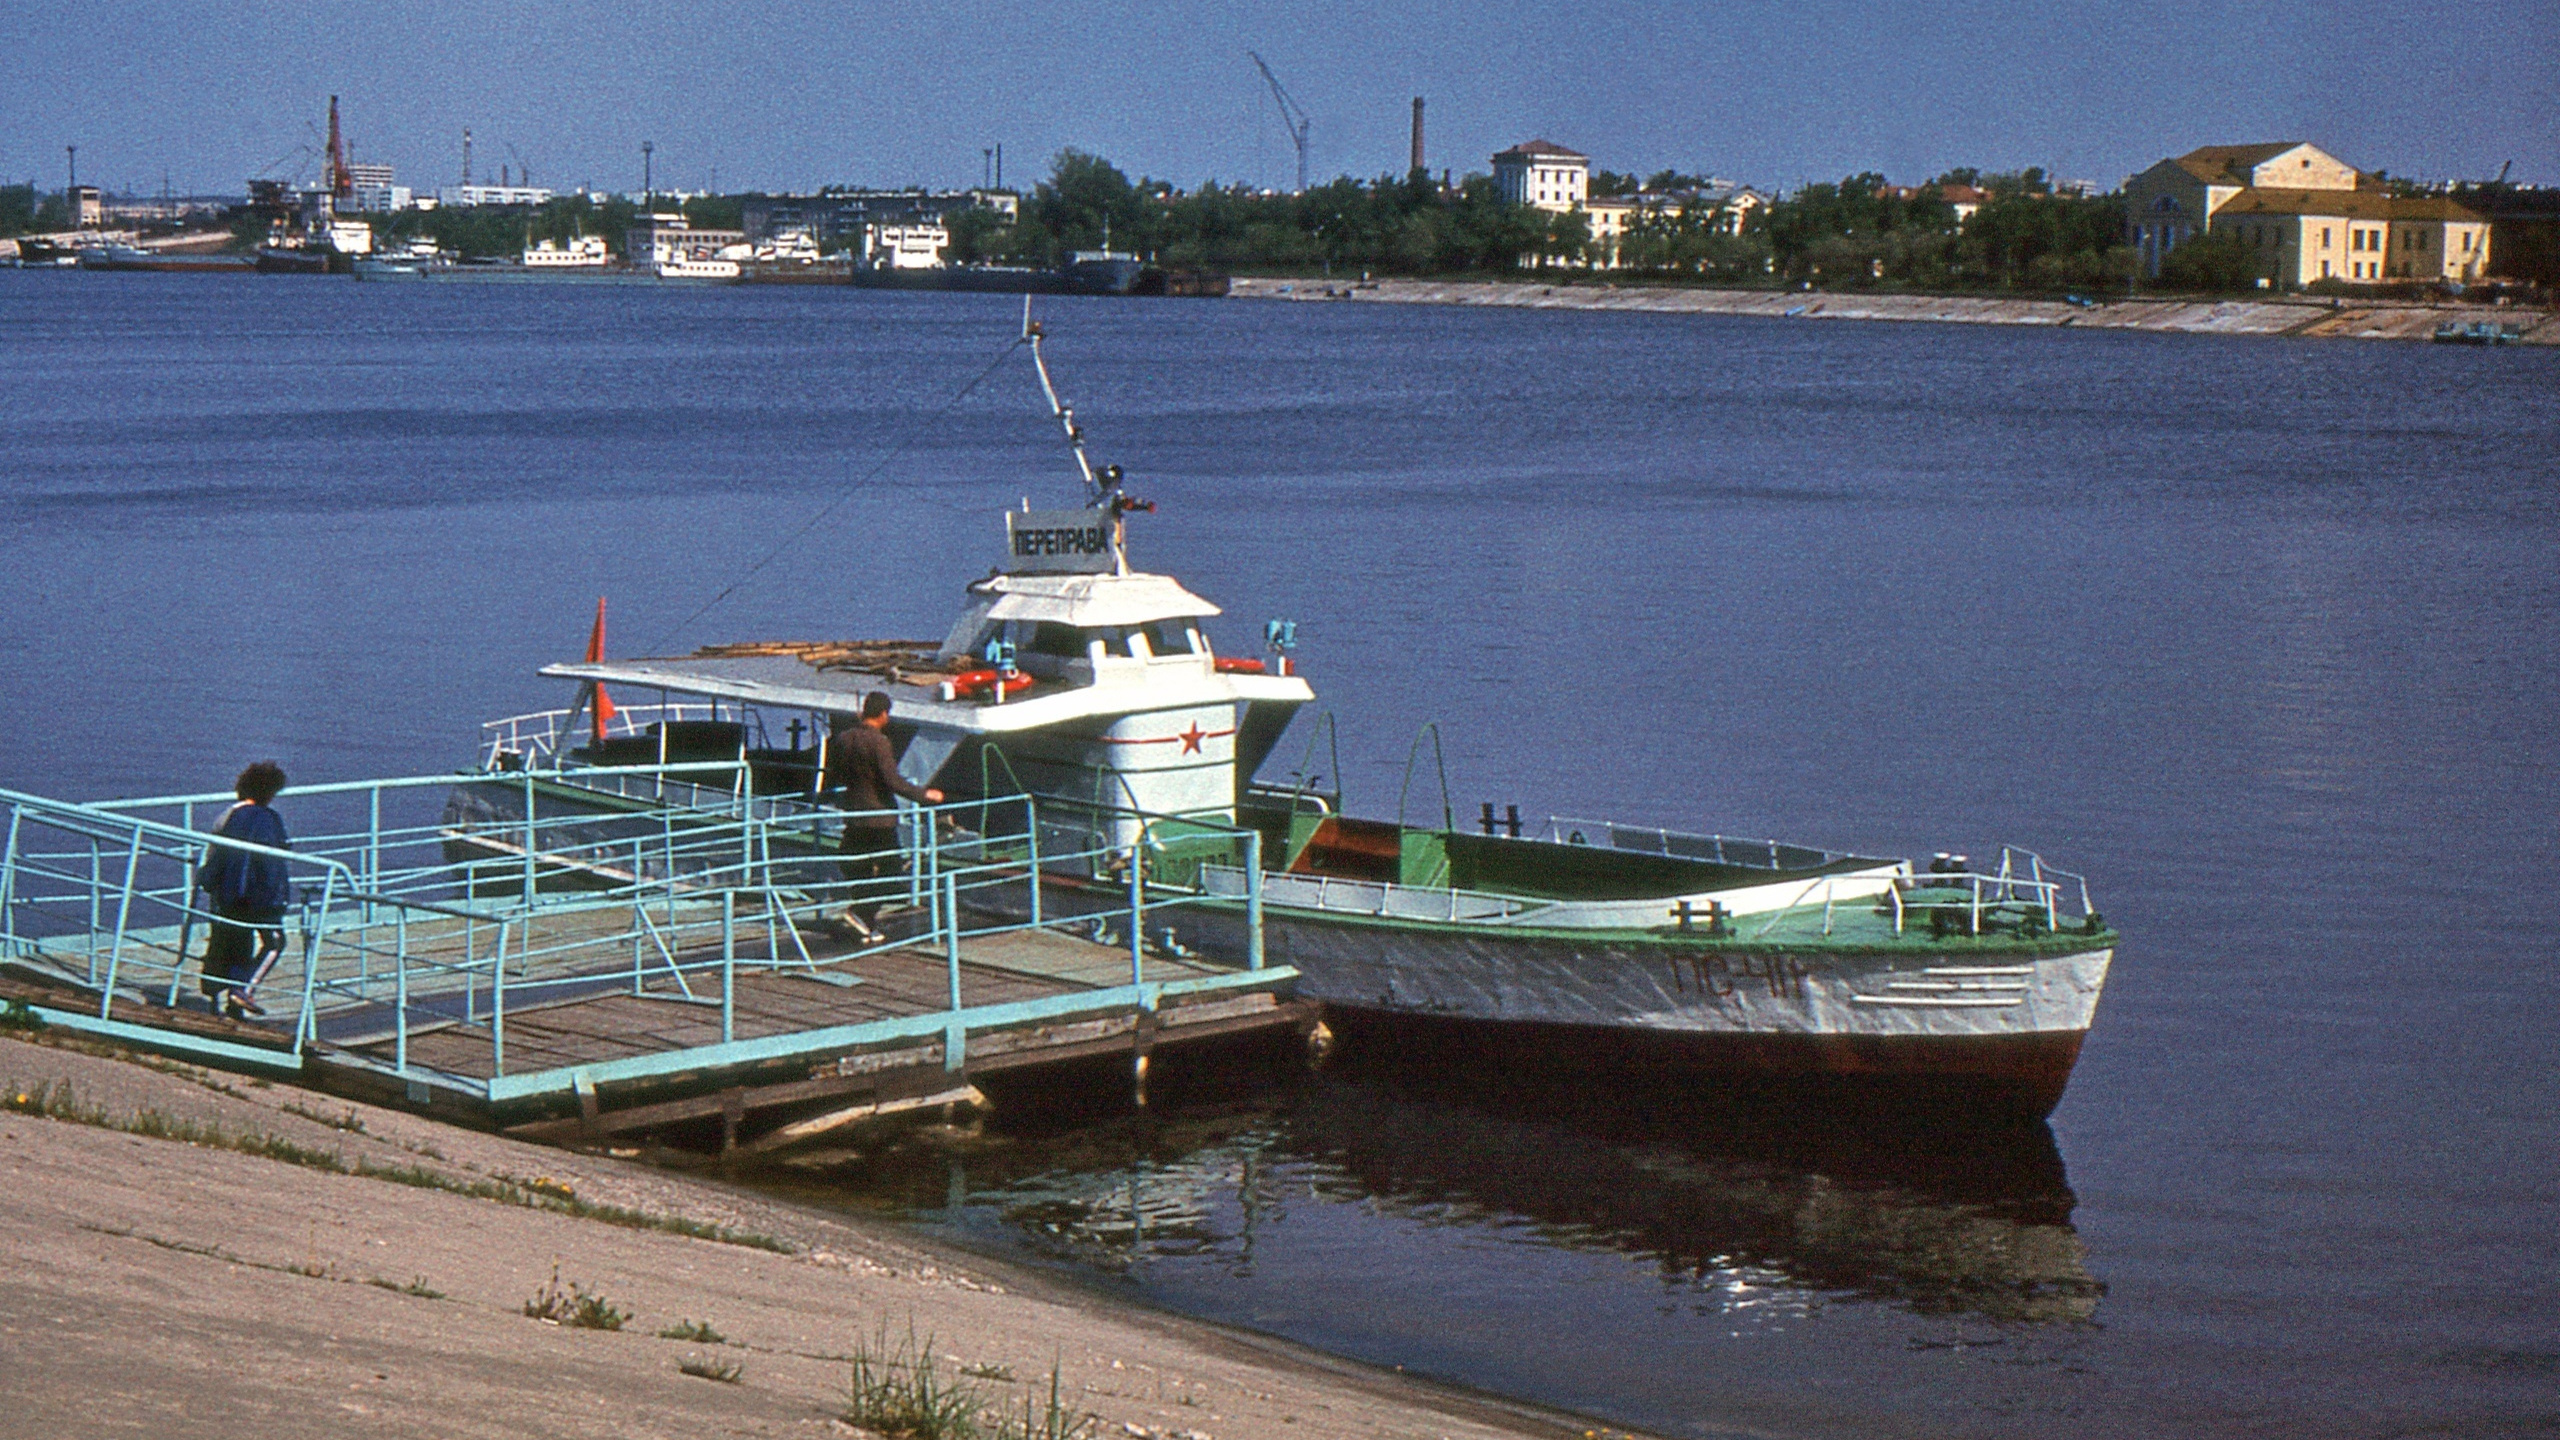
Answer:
(97, 881)
(528, 837)
(124, 912)
(728, 966)
(667, 834)
(9, 880)
(1138, 909)
(306, 1024)
(1031, 827)
(925, 850)
(186, 921)
(400, 1014)
(498, 1004)
(951, 937)
(1253, 899)
(639, 920)
(744, 788)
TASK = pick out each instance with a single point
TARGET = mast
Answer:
(1102, 487)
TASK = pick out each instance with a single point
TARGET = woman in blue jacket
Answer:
(249, 892)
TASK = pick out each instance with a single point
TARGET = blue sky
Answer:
(794, 94)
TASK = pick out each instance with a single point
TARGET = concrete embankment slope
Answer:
(2348, 320)
(193, 1254)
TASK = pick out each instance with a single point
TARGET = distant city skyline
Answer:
(794, 95)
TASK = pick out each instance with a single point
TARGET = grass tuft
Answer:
(697, 1331)
(900, 1391)
(1051, 1420)
(576, 1307)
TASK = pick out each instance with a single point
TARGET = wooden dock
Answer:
(651, 1002)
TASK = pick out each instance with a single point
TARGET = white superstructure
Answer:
(904, 247)
(587, 252)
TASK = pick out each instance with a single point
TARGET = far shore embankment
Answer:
(2308, 316)
(194, 1253)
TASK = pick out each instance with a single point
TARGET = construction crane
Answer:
(1293, 118)
(342, 186)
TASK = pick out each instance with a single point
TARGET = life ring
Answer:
(1241, 665)
(968, 684)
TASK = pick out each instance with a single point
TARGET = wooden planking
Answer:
(67, 995)
(894, 984)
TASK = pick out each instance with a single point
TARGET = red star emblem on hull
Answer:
(1191, 738)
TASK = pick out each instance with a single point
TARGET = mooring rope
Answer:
(814, 521)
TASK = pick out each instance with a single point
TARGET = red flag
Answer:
(595, 656)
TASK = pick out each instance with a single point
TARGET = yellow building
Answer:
(2308, 215)
(1610, 216)
(2363, 237)
(2177, 199)
(2432, 238)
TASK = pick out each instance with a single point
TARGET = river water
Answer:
(2260, 634)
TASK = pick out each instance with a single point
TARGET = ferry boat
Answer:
(419, 259)
(697, 267)
(1591, 946)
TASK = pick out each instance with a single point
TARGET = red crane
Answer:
(342, 186)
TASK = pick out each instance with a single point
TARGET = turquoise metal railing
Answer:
(431, 901)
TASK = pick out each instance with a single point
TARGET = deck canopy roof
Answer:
(1088, 602)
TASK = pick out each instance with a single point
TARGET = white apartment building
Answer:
(493, 195)
(1544, 174)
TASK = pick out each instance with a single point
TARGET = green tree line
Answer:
(25, 210)
(1857, 232)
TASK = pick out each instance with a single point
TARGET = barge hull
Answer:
(1954, 1032)
(1939, 1080)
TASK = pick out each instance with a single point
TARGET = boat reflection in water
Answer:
(1735, 1208)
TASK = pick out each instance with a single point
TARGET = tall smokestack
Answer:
(1417, 133)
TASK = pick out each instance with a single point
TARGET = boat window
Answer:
(1067, 642)
(1064, 641)
(1171, 637)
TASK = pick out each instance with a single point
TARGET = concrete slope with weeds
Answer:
(195, 1253)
